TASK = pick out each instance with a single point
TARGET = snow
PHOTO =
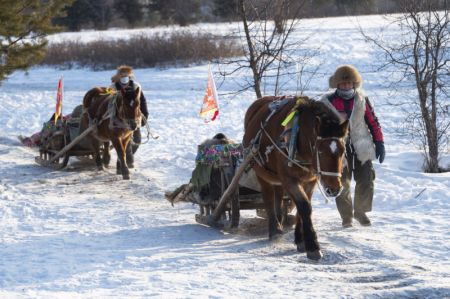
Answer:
(84, 233)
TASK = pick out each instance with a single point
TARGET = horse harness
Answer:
(114, 113)
(289, 145)
(118, 120)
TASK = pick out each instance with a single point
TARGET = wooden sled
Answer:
(234, 198)
(51, 157)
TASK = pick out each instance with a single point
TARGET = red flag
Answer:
(59, 96)
(210, 107)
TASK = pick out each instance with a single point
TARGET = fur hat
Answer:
(123, 71)
(345, 73)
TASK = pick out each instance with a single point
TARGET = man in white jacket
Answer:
(364, 143)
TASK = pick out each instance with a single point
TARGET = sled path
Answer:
(87, 233)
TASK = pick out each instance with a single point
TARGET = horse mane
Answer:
(90, 95)
(330, 124)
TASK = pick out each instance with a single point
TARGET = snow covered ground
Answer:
(83, 233)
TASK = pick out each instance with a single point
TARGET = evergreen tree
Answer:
(101, 14)
(78, 14)
(24, 24)
(86, 12)
(226, 9)
(182, 12)
(130, 10)
(346, 7)
(156, 5)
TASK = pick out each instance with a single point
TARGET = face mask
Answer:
(345, 94)
(124, 80)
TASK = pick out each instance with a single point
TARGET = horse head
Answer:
(329, 150)
(128, 106)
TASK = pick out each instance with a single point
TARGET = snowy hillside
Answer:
(80, 233)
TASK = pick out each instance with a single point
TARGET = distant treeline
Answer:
(177, 48)
(102, 14)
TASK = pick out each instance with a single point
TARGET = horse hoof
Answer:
(301, 247)
(314, 255)
(275, 238)
(126, 177)
(130, 165)
(275, 235)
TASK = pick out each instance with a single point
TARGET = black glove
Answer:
(380, 151)
(143, 121)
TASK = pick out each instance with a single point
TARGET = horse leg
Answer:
(137, 139)
(123, 162)
(267, 192)
(120, 149)
(304, 210)
(299, 241)
(118, 167)
(98, 158)
(106, 154)
(278, 200)
(298, 234)
(118, 162)
(129, 156)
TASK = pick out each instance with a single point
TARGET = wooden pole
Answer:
(227, 195)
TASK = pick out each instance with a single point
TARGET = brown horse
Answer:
(116, 115)
(318, 157)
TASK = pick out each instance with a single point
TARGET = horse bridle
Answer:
(325, 173)
(300, 164)
(319, 172)
(123, 122)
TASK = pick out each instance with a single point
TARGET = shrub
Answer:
(179, 48)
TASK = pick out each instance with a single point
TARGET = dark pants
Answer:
(364, 176)
(133, 146)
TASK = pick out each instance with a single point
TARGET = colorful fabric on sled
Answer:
(48, 128)
(212, 154)
(201, 175)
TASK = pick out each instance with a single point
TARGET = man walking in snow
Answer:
(364, 143)
(124, 79)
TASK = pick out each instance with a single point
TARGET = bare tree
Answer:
(422, 56)
(269, 53)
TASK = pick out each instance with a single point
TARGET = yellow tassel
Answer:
(298, 102)
(109, 90)
(288, 118)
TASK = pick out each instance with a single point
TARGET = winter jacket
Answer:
(364, 126)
